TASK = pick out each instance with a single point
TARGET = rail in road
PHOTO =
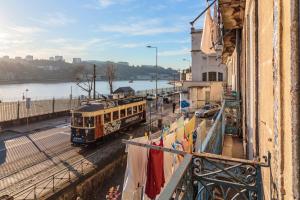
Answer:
(44, 161)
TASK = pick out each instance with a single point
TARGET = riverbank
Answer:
(55, 81)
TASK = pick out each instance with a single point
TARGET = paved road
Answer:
(28, 154)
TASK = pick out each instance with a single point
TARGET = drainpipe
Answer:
(238, 62)
(256, 83)
(295, 88)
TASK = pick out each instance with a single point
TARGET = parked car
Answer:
(167, 99)
(207, 110)
(150, 97)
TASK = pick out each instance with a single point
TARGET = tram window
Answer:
(115, 115)
(129, 111)
(89, 121)
(107, 118)
(78, 120)
(123, 113)
(134, 109)
(140, 108)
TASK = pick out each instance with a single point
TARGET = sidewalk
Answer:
(24, 129)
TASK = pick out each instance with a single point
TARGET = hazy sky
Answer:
(116, 30)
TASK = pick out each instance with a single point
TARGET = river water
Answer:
(36, 91)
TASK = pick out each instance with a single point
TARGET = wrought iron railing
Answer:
(207, 175)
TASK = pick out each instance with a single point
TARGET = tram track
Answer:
(63, 157)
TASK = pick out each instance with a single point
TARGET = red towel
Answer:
(155, 172)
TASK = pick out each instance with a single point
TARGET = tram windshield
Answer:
(77, 120)
(89, 122)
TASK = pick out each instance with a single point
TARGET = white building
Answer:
(58, 58)
(5, 58)
(205, 67)
(29, 58)
(208, 74)
(18, 58)
(76, 60)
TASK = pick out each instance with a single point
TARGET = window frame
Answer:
(129, 109)
(105, 119)
(113, 115)
(134, 110)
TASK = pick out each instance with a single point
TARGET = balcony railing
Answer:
(208, 175)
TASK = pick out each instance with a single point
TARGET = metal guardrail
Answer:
(207, 175)
(17, 110)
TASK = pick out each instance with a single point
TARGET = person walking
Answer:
(174, 106)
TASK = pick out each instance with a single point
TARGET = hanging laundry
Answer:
(155, 172)
(207, 46)
(135, 174)
(215, 27)
(168, 157)
(189, 129)
(201, 134)
(176, 157)
(180, 133)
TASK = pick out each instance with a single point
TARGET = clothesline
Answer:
(199, 154)
(154, 147)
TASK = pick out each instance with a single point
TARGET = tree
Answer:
(110, 75)
(84, 80)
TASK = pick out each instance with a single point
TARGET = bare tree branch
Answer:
(110, 75)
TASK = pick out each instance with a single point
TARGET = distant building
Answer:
(205, 67)
(51, 58)
(29, 58)
(123, 63)
(124, 92)
(58, 58)
(18, 58)
(5, 57)
(186, 75)
(76, 60)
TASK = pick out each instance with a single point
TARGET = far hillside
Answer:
(59, 71)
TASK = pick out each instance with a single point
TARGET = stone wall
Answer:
(90, 187)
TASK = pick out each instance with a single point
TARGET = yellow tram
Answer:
(95, 120)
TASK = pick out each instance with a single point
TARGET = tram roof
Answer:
(90, 107)
(101, 105)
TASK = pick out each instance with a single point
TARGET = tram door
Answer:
(99, 126)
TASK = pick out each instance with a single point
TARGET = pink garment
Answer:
(135, 175)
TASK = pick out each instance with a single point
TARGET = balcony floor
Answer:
(233, 147)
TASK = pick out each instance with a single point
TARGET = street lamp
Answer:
(188, 60)
(156, 49)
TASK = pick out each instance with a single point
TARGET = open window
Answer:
(115, 115)
(140, 108)
(135, 109)
(123, 113)
(107, 117)
(129, 111)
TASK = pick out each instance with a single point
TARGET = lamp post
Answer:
(187, 60)
(156, 49)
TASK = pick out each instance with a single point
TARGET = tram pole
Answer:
(94, 77)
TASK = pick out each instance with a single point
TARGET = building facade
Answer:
(29, 58)
(58, 58)
(205, 67)
(76, 60)
(261, 50)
